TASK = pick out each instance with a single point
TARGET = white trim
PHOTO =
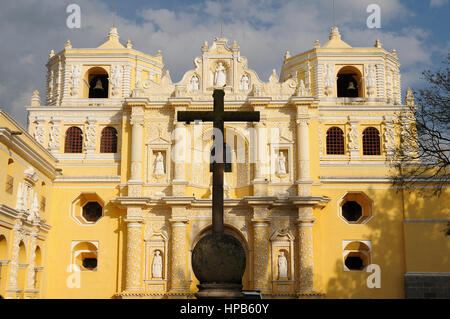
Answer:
(86, 187)
(355, 179)
(87, 179)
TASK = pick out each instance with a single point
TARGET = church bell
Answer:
(351, 86)
(98, 85)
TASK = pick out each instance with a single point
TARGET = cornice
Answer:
(28, 153)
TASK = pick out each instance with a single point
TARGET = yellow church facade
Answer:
(107, 194)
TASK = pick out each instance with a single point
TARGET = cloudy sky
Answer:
(264, 29)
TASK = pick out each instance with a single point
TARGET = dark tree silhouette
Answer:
(423, 154)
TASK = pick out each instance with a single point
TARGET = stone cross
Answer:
(218, 117)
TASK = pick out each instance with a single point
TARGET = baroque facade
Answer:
(129, 188)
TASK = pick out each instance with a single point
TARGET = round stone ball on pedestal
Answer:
(218, 261)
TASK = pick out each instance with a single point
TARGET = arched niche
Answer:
(156, 244)
(282, 244)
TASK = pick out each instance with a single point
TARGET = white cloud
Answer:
(438, 3)
(264, 29)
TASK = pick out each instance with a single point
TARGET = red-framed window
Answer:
(108, 143)
(335, 141)
(371, 141)
(74, 140)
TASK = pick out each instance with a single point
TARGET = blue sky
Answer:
(264, 29)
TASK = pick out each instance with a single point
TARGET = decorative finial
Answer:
(287, 55)
(35, 99)
(334, 34)
(394, 52)
(316, 44)
(68, 45)
(129, 44)
(159, 54)
(113, 34)
(377, 43)
(409, 98)
(52, 54)
(235, 46)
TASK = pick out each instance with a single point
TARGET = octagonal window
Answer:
(355, 208)
(354, 263)
(87, 209)
(356, 254)
(351, 211)
(92, 211)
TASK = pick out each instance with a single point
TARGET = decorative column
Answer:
(305, 270)
(137, 145)
(260, 182)
(178, 253)
(353, 143)
(133, 281)
(381, 94)
(126, 81)
(303, 169)
(12, 290)
(30, 290)
(179, 157)
(90, 136)
(261, 249)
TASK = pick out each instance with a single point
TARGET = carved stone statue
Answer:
(159, 166)
(220, 77)
(281, 164)
(157, 265)
(194, 84)
(245, 82)
(282, 266)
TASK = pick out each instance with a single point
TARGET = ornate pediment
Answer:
(220, 66)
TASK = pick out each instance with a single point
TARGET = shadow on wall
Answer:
(385, 232)
(397, 247)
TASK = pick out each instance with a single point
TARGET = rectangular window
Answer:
(9, 184)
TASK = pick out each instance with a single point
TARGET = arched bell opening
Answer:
(349, 82)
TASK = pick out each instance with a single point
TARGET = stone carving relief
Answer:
(245, 82)
(39, 133)
(353, 144)
(329, 79)
(89, 142)
(389, 138)
(75, 79)
(116, 79)
(371, 81)
(55, 133)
